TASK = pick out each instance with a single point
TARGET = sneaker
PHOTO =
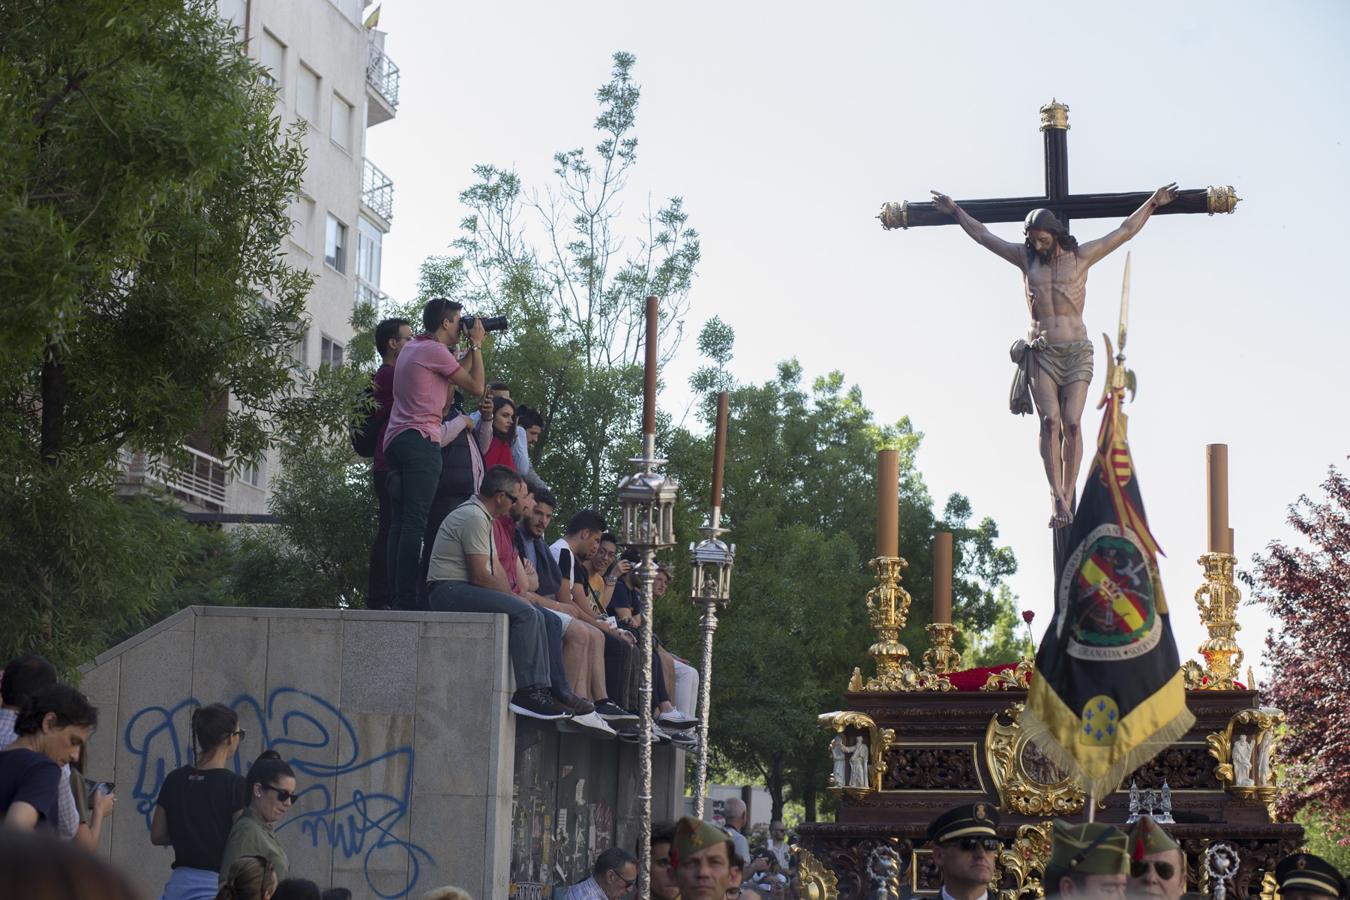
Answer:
(593, 720)
(661, 736)
(676, 720)
(613, 712)
(577, 706)
(537, 704)
(628, 734)
(684, 740)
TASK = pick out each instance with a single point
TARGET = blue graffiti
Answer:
(319, 743)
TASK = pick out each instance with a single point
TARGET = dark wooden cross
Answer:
(1066, 206)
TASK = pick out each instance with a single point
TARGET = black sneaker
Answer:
(569, 701)
(683, 739)
(613, 712)
(537, 704)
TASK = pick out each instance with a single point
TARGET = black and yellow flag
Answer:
(1108, 692)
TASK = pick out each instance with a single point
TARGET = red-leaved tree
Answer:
(1307, 590)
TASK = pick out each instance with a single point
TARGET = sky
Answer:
(785, 126)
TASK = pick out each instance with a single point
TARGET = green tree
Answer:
(1007, 641)
(144, 192)
(800, 503)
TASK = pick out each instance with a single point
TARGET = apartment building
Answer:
(331, 73)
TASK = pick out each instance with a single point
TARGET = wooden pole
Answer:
(942, 578)
(1216, 467)
(649, 372)
(888, 503)
(720, 449)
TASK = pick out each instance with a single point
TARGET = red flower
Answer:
(1027, 616)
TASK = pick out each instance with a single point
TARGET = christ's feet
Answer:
(1061, 515)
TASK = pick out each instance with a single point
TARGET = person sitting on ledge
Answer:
(465, 575)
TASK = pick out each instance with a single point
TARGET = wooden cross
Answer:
(1066, 206)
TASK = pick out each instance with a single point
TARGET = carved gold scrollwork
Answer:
(1024, 862)
(1253, 774)
(879, 740)
(1019, 676)
(1027, 782)
(818, 882)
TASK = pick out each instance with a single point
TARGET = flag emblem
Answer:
(1107, 587)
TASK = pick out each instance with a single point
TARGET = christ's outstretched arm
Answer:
(1013, 253)
(1093, 251)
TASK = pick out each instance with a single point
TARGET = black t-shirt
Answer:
(32, 778)
(200, 805)
(625, 598)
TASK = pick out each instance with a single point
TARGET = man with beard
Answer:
(1056, 358)
(1157, 866)
(965, 845)
(663, 884)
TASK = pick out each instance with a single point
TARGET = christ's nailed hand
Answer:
(1165, 194)
(944, 203)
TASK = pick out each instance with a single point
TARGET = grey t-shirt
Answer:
(466, 530)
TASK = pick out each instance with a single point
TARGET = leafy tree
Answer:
(144, 191)
(1007, 640)
(1305, 587)
(800, 503)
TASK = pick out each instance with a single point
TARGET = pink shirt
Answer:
(421, 383)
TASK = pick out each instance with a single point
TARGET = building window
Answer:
(301, 350)
(330, 352)
(368, 250)
(253, 473)
(302, 221)
(335, 244)
(273, 58)
(340, 129)
(307, 94)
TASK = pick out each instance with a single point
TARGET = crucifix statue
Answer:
(1055, 361)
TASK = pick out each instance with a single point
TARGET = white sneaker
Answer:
(593, 720)
(677, 720)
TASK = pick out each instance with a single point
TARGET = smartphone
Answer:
(99, 787)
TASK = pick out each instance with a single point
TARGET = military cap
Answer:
(971, 820)
(693, 835)
(1091, 848)
(1147, 836)
(1306, 872)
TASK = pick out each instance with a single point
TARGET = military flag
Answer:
(1108, 692)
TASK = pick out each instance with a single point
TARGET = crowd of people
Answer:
(462, 522)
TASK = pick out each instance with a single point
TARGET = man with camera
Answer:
(425, 376)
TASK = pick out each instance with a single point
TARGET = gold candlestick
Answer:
(942, 657)
(888, 610)
(1217, 600)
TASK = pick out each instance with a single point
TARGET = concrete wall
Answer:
(396, 723)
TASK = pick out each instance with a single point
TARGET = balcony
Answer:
(381, 83)
(377, 192)
(200, 479)
(365, 294)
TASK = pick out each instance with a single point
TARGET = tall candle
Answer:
(720, 447)
(888, 503)
(1216, 466)
(942, 577)
(649, 373)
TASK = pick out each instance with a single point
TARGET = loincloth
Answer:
(1063, 363)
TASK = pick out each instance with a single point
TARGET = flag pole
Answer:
(1092, 804)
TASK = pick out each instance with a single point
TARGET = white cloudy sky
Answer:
(785, 125)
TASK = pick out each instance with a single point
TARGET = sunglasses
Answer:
(969, 844)
(242, 734)
(282, 796)
(1165, 870)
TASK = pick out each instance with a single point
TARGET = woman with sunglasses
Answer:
(271, 791)
(198, 804)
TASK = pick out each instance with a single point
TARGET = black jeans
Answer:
(377, 587)
(414, 470)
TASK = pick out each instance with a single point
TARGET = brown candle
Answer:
(888, 503)
(720, 447)
(942, 577)
(1231, 545)
(649, 379)
(1216, 466)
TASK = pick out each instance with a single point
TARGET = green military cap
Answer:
(1147, 836)
(693, 835)
(971, 820)
(1306, 872)
(1091, 848)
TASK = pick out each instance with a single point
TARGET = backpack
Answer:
(367, 432)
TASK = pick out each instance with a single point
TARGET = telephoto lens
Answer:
(490, 323)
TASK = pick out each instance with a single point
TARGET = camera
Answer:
(490, 323)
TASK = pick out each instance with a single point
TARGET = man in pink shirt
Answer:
(426, 374)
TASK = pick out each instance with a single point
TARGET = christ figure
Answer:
(1058, 351)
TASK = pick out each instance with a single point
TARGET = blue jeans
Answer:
(414, 471)
(528, 634)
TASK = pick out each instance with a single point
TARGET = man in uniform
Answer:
(965, 847)
(1088, 861)
(1157, 865)
(701, 855)
(1302, 876)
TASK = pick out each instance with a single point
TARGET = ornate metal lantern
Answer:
(712, 560)
(648, 503)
